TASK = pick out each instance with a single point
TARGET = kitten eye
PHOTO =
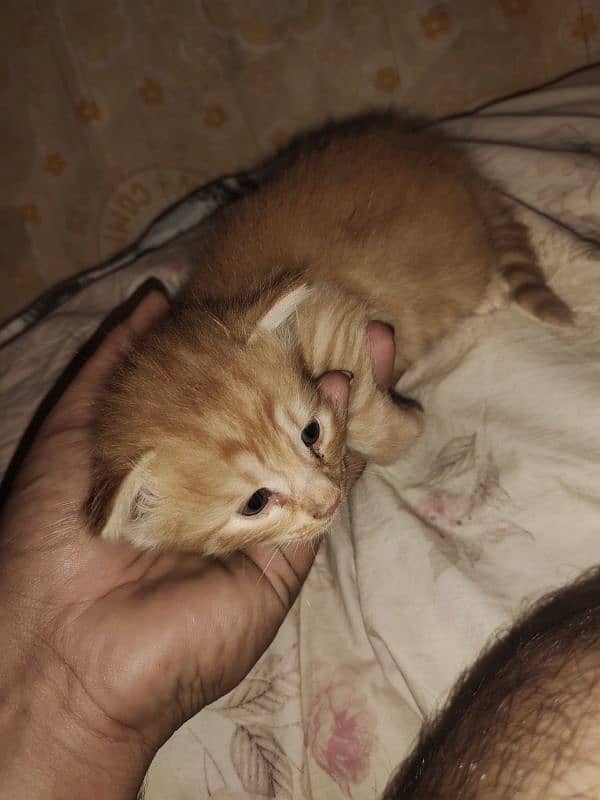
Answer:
(311, 433)
(256, 503)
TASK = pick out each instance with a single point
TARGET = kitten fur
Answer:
(366, 220)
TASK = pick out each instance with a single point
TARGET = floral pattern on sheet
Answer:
(462, 502)
(257, 756)
(340, 729)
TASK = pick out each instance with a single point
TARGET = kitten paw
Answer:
(405, 424)
(387, 430)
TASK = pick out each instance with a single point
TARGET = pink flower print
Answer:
(340, 731)
(440, 509)
(434, 505)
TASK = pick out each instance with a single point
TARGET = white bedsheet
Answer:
(496, 504)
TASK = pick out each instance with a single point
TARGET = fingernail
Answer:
(154, 285)
(150, 293)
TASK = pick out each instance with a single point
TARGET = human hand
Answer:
(107, 649)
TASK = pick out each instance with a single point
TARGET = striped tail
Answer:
(519, 269)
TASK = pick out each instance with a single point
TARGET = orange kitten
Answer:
(214, 436)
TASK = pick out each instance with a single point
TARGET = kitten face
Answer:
(225, 458)
(253, 474)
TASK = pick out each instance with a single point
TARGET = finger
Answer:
(232, 614)
(383, 352)
(285, 567)
(76, 402)
(336, 387)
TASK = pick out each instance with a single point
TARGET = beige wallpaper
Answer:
(110, 111)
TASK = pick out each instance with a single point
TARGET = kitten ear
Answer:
(284, 304)
(126, 508)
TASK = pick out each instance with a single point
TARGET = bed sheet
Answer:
(495, 505)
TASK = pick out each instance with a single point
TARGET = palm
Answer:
(170, 631)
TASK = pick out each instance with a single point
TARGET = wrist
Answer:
(52, 748)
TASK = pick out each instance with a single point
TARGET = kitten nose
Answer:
(329, 506)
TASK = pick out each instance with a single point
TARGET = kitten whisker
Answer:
(268, 564)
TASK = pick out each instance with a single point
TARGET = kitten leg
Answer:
(380, 428)
(497, 296)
